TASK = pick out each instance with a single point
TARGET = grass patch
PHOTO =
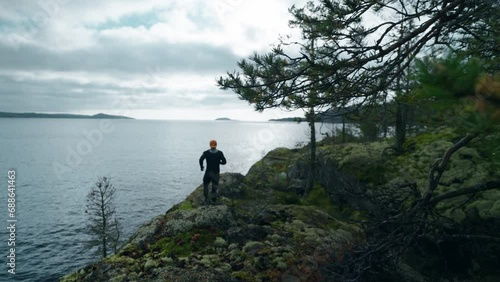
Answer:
(422, 140)
(243, 276)
(117, 259)
(318, 197)
(287, 198)
(185, 205)
(183, 244)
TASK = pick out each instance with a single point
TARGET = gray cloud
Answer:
(121, 62)
(121, 58)
(94, 55)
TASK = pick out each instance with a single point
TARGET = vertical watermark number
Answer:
(11, 220)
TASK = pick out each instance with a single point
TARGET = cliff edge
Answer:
(260, 229)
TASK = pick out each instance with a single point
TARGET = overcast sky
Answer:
(144, 59)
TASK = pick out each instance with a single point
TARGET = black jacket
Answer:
(214, 158)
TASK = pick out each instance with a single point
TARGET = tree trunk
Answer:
(385, 117)
(400, 127)
(400, 113)
(104, 227)
(343, 129)
(311, 117)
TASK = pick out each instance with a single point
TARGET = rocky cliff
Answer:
(263, 229)
(260, 230)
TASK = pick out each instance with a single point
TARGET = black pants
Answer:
(207, 178)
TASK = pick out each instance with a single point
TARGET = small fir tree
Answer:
(103, 225)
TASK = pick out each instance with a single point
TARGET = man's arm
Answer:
(202, 158)
(222, 159)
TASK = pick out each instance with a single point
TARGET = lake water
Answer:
(153, 165)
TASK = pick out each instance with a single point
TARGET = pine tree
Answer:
(103, 225)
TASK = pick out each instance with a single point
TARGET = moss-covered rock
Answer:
(144, 236)
(271, 171)
(149, 264)
(207, 216)
(263, 229)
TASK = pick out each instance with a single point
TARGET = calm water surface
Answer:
(153, 164)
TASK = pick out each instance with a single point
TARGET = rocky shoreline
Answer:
(263, 229)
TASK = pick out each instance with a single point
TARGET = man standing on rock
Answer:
(214, 158)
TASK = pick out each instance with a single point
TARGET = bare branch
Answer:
(490, 185)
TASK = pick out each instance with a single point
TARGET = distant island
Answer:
(38, 115)
(223, 118)
(292, 119)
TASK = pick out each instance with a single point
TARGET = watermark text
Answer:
(11, 220)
